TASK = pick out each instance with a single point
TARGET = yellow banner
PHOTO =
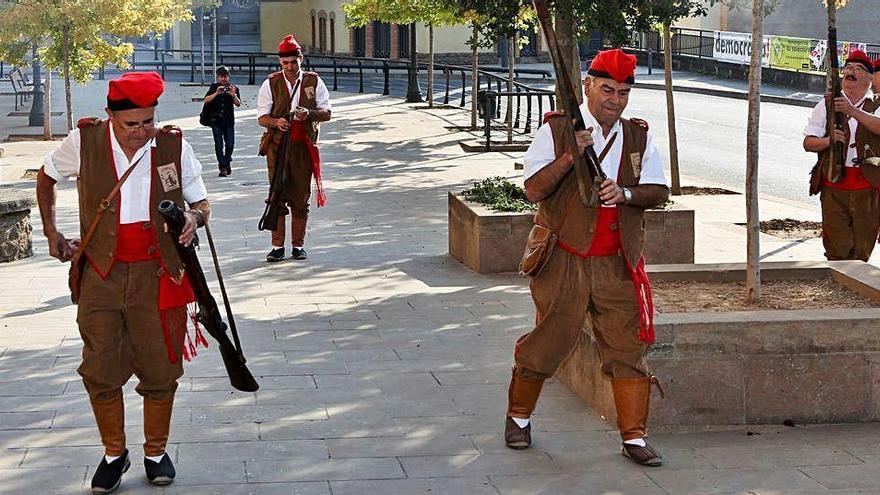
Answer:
(790, 53)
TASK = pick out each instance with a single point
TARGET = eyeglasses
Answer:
(149, 124)
(855, 68)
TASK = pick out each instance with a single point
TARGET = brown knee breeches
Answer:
(850, 223)
(572, 294)
(122, 334)
(297, 188)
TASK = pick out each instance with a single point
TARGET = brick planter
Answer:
(487, 241)
(15, 225)
(755, 367)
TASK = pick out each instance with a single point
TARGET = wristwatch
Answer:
(627, 195)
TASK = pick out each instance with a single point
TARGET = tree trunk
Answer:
(511, 55)
(475, 74)
(753, 251)
(65, 55)
(670, 112)
(430, 66)
(566, 35)
(47, 106)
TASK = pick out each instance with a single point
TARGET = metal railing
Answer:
(452, 83)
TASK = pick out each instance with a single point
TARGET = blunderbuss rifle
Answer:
(836, 120)
(209, 314)
(588, 168)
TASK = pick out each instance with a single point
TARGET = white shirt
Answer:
(816, 126)
(264, 96)
(542, 152)
(134, 200)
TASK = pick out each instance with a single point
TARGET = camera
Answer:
(224, 89)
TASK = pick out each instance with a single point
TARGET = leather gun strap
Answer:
(573, 203)
(102, 207)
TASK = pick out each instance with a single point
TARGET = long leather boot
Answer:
(632, 399)
(157, 423)
(110, 417)
(522, 395)
(298, 236)
(280, 232)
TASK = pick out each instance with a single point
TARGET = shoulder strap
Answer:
(575, 201)
(102, 207)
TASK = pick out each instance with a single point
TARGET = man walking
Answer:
(294, 102)
(132, 301)
(849, 196)
(220, 101)
(596, 274)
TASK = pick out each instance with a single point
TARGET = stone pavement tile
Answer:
(207, 471)
(747, 457)
(845, 477)
(452, 443)
(499, 377)
(353, 427)
(228, 397)
(314, 395)
(257, 414)
(611, 483)
(386, 381)
(295, 488)
(330, 469)
(60, 481)
(426, 486)
(525, 462)
(11, 458)
(25, 420)
(42, 387)
(53, 437)
(238, 431)
(407, 366)
(714, 481)
(288, 382)
(306, 357)
(605, 457)
(251, 451)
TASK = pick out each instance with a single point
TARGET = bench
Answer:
(21, 87)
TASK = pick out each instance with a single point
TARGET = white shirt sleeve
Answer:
(322, 96)
(191, 175)
(264, 99)
(63, 162)
(817, 121)
(540, 153)
(652, 165)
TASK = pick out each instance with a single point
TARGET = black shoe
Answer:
(515, 437)
(108, 476)
(223, 172)
(160, 473)
(646, 456)
(229, 170)
(298, 253)
(276, 254)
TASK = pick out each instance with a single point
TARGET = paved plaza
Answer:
(383, 362)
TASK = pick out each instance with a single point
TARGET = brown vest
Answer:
(867, 146)
(97, 176)
(580, 222)
(307, 98)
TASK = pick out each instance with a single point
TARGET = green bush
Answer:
(499, 194)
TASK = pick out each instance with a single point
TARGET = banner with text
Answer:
(737, 48)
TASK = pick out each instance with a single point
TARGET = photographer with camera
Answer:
(219, 99)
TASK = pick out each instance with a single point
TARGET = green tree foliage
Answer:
(93, 29)
(429, 12)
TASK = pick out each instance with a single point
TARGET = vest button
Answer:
(112, 233)
(147, 225)
(110, 254)
(160, 272)
(151, 249)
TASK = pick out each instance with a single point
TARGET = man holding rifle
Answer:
(292, 103)
(595, 275)
(133, 292)
(850, 205)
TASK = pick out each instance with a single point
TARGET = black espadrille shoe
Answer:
(108, 476)
(160, 473)
(276, 254)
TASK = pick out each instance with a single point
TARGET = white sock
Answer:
(636, 441)
(297, 247)
(111, 458)
(522, 423)
(155, 458)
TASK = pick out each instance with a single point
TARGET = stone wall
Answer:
(15, 225)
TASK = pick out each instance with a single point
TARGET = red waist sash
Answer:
(298, 135)
(853, 180)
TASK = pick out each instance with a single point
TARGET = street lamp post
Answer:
(413, 92)
(36, 115)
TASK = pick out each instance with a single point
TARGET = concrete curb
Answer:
(729, 93)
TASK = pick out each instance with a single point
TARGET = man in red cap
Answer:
(296, 101)
(850, 209)
(133, 294)
(595, 276)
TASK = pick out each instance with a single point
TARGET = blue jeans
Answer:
(224, 135)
